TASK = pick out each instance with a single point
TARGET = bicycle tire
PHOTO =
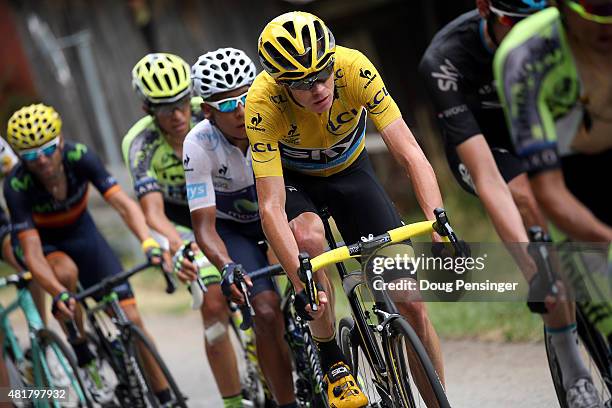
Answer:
(254, 388)
(402, 339)
(595, 349)
(177, 395)
(350, 344)
(46, 338)
(310, 391)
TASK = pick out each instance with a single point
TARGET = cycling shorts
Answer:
(84, 244)
(510, 166)
(354, 197)
(245, 243)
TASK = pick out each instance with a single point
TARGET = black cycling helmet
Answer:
(517, 8)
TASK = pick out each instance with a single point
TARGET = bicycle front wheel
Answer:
(60, 370)
(414, 379)
(140, 343)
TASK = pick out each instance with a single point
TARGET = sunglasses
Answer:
(168, 109)
(507, 19)
(47, 150)
(307, 83)
(228, 104)
(598, 13)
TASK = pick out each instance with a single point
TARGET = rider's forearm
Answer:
(573, 218)
(498, 202)
(424, 182)
(282, 241)
(133, 217)
(212, 245)
(158, 222)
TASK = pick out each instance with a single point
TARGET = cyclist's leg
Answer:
(309, 234)
(365, 208)
(241, 241)
(217, 342)
(97, 261)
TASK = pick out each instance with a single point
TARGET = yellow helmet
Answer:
(294, 45)
(161, 78)
(33, 126)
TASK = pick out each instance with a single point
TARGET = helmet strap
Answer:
(491, 21)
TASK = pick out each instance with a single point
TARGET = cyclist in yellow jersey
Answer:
(305, 119)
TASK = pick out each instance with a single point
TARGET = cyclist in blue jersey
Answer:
(223, 202)
(53, 234)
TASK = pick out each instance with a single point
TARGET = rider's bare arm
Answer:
(403, 146)
(130, 213)
(153, 207)
(271, 196)
(207, 238)
(492, 189)
(566, 211)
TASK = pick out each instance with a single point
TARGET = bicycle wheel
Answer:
(414, 379)
(139, 340)
(254, 389)
(595, 355)
(310, 391)
(352, 348)
(61, 370)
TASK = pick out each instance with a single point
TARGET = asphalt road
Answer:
(478, 374)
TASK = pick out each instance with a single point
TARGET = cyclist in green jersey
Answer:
(556, 100)
(551, 77)
(153, 151)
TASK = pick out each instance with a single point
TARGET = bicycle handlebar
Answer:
(247, 309)
(310, 265)
(107, 284)
(16, 279)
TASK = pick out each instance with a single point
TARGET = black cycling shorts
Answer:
(245, 243)
(84, 244)
(509, 165)
(354, 197)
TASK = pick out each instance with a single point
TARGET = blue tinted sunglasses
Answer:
(47, 149)
(228, 104)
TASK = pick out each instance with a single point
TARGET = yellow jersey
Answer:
(283, 134)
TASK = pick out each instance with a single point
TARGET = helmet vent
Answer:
(290, 27)
(267, 66)
(277, 56)
(156, 80)
(306, 58)
(320, 38)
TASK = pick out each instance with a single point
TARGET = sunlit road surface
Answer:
(478, 374)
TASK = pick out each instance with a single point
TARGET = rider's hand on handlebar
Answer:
(184, 268)
(152, 251)
(302, 305)
(228, 285)
(63, 306)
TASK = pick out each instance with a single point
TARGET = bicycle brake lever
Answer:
(246, 309)
(305, 274)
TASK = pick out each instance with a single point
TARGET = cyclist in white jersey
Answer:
(223, 202)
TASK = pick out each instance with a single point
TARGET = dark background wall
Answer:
(393, 33)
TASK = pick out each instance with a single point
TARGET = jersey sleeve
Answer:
(262, 122)
(523, 93)
(198, 178)
(18, 204)
(138, 149)
(456, 120)
(92, 167)
(369, 90)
